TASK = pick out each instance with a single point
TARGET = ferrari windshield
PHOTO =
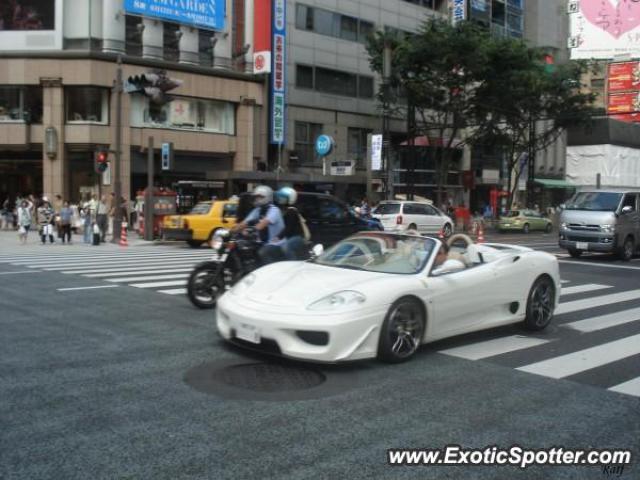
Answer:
(201, 208)
(379, 252)
(595, 201)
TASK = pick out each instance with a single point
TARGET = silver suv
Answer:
(602, 221)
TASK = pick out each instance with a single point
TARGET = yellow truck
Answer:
(199, 225)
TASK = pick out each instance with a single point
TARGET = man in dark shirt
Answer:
(295, 233)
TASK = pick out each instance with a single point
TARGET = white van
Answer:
(400, 215)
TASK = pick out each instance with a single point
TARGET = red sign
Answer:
(262, 36)
(624, 103)
(624, 77)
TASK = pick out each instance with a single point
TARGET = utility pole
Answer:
(386, 141)
(117, 184)
(532, 162)
(148, 196)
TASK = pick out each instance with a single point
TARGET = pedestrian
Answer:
(101, 217)
(24, 221)
(5, 214)
(57, 207)
(365, 208)
(65, 221)
(85, 215)
(45, 220)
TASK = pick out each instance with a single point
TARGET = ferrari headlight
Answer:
(345, 298)
(246, 282)
(608, 228)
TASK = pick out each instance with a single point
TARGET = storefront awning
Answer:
(553, 183)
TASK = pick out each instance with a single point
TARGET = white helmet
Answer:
(286, 196)
(263, 195)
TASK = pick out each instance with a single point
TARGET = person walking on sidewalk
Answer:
(24, 221)
(65, 221)
(101, 217)
(45, 221)
(85, 214)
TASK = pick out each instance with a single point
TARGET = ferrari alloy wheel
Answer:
(206, 284)
(402, 331)
(540, 304)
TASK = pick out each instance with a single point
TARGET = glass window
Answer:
(133, 36)
(366, 30)
(205, 49)
(27, 15)
(629, 201)
(348, 28)
(595, 201)
(429, 210)
(202, 208)
(333, 81)
(304, 76)
(170, 42)
(11, 104)
(357, 143)
(365, 87)
(326, 23)
(305, 137)
(229, 210)
(387, 209)
(514, 22)
(33, 105)
(304, 17)
(184, 113)
(332, 211)
(87, 105)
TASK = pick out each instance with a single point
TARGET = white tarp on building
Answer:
(618, 166)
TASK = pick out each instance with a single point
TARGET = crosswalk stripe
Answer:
(589, 287)
(71, 254)
(174, 291)
(601, 322)
(138, 272)
(591, 302)
(490, 348)
(112, 264)
(177, 283)
(632, 387)
(150, 276)
(576, 362)
(171, 264)
(121, 259)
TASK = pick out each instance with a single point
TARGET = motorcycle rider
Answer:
(268, 221)
(295, 233)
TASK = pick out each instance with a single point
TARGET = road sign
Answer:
(324, 145)
(166, 157)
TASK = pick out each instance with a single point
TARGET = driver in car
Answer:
(443, 264)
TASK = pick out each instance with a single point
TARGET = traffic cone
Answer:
(123, 235)
(480, 238)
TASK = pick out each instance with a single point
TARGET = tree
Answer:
(470, 88)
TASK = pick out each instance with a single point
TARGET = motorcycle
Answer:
(235, 255)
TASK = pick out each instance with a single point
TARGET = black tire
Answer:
(405, 314)
(548, 228)
(625, 253)
(412, 227)
(525, 228)
(206, 285)
(447, 230)
(540, 304)
(194, 243)
(575, 253)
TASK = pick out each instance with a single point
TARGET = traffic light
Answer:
(101, 160)
(154, 85)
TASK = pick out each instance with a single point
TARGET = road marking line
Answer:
(565, 281)
(86, 288)
(490, 348)
(591, 302)
(590, 287)
(115, 261)
(20, 272)
(71, 256)
(576, 362)
(632, 387)
(602, 322)
(139, 272)
(179, 283)
(148, 277)
(172, 264)
(174, 291)
(596, 264)
(145, 263)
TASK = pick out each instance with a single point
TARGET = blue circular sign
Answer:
(324, 144)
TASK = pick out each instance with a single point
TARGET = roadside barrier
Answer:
(123, 235)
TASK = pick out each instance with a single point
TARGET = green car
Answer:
(524, 221)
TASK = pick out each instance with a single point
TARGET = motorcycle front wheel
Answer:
(206, 284)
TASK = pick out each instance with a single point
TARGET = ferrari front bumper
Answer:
(351, 335)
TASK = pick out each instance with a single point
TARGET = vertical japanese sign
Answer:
(458, 11)
(278, 72)
(262, 36)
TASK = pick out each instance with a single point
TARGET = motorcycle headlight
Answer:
(216, 242)
(608, 228)
(246, 282)
(346, 298)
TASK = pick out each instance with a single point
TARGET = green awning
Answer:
(553, 183)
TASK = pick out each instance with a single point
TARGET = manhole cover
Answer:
(269, 377)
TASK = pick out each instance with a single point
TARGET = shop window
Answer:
(184, 113)
(305, 138)
(87, 105)
(21, 104)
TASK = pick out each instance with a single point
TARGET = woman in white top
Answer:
(24, 221)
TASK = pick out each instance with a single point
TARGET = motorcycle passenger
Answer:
(267, 219)
(295, 234)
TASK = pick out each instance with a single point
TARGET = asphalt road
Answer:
(127, 382)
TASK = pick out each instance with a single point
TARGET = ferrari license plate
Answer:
(582, 245)
(248, 333)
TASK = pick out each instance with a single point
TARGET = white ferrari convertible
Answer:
(382, 294)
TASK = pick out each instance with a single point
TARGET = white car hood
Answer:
(302, 283)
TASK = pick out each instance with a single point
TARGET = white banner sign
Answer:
(603, 29)
(376, 152)
(458, 11)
